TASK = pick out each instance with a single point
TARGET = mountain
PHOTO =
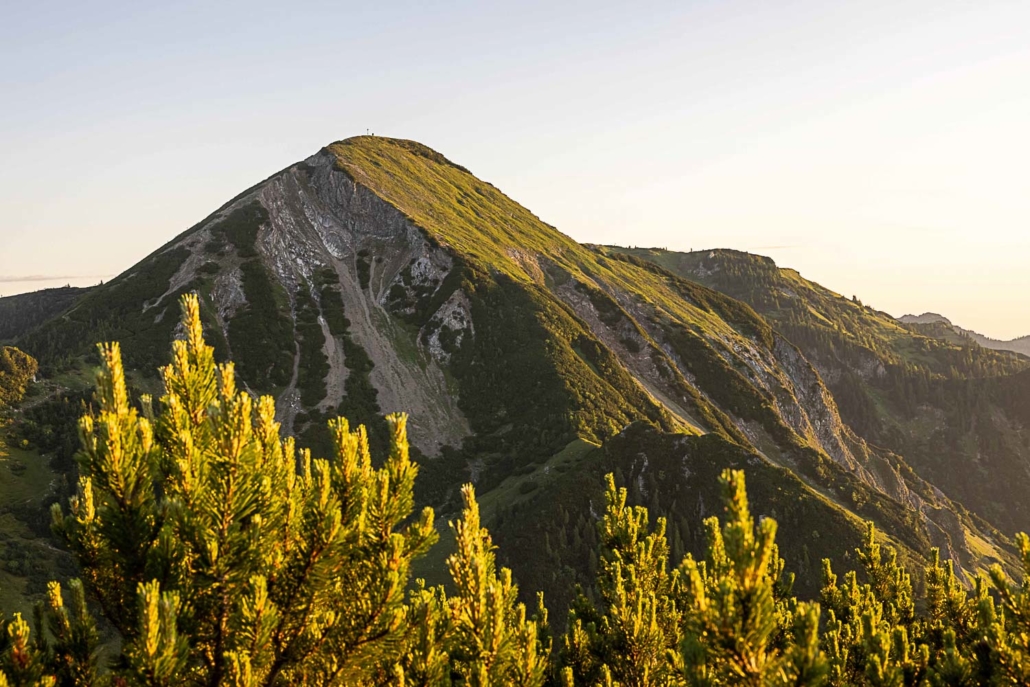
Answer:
(1020, 345)
(377, 276)
(940, 326)
(20, 314)
(925, 318)
(956, 411)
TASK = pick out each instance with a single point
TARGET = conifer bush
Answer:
(731, 618)
(221, 553)
(17, 369)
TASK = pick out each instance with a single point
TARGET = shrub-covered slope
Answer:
(21, 313)
(377, 276)
(546, 519)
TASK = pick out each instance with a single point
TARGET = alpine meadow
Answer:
(372, 422)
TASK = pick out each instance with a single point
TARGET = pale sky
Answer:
(880, 148)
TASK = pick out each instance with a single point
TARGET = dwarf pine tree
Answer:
(957, 626)
(1009, 636)
(65, 655)
(874, 636)
(628, 638)
(481, 635)
(726, 620)
(493, 641)
(736, 631)
(224, 556)
(870, 626)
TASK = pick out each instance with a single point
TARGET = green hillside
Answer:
(20, 314)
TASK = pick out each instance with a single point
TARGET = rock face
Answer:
(942, 415)
(317, 226)
(377, 276)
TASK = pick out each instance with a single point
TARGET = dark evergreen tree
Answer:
(17, 369)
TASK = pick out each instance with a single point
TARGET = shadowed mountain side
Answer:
(548, 525)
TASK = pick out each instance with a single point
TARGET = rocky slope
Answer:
(958, 412)
(378, 276)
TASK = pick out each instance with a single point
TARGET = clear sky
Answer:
(879, 147)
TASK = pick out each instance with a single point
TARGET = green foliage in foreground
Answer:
(17, 369)
(224, 556)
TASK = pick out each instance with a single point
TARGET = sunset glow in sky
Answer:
(880, 148)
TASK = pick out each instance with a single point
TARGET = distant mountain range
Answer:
(1020, 345)
(377, 275)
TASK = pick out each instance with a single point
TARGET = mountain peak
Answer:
(453, 207)
(344, 148)
(1018, 345)
(925, 318)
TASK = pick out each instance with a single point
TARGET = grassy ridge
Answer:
(495, 235)
(824, 322)
(498, 242)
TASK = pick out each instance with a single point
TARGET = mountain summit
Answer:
(1019, 345)
(925, 318)
(378, 276)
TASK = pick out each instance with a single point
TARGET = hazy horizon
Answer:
(877, 149)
